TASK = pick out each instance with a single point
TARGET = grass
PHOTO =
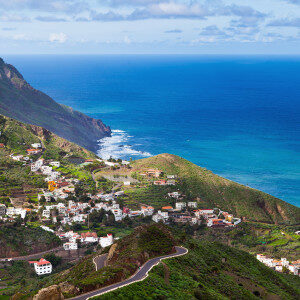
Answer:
(211, 190)
(210, 271)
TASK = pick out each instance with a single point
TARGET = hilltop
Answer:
(20, 101)
(211, 190)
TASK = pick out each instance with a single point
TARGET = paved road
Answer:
(31, 256)
(140, 275)
(99, 261)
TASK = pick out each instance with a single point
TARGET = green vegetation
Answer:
(124, 259)
(211, 271)
(211, 190)
(20, 240)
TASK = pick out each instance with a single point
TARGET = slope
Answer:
(211, 190)
(20, 101)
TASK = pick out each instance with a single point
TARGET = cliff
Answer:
(19, 100)
(17, 136)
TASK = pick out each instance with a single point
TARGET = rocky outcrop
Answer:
(68, 288)
(52, 292)
(19, 100)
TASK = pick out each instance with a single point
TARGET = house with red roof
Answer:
(89, 237)
(42, 266)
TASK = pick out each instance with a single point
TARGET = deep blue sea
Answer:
(237, 116)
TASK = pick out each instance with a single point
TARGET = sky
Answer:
(150, 27)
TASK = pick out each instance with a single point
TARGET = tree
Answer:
(54, 259)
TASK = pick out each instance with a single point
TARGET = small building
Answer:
(167, 208)
(42, 266)
(160, 216)
(192, 204)
(171, 182)
(89, 237)
(70, 246)
(160, 182)
(215, 223)
(36, 145)
(33, 151)
(175, 195)
(2, 209)
(147, 210)
(126, 183)
(46, 213)
(154, 173)
(180, 205)
(106, 240)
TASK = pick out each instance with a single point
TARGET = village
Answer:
(59, 210)
(282, 265)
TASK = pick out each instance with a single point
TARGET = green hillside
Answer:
(211, 190)
(17, 137)
(20, 101)
(211, 271)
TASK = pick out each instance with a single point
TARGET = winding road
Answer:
(139, 275)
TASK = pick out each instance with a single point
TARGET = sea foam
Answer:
(117, 146)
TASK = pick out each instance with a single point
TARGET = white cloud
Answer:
(127, 40)
(57, 37)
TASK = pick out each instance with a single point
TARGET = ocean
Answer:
(237, 116)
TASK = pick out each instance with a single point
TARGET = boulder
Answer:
(52, 292)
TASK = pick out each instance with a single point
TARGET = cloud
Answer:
(13, 18)
(213, 31)
(9, 28)
(106, 17)
(295, 22)
(131, 2)
(58, 37)
(173, 31)
(170, 10)
(127, 40)
(294, 1)
(50, 19)
(68, 6)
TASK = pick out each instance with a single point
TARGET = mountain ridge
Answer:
(19, 100)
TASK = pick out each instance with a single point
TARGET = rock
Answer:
(52, 292)
(68, 288)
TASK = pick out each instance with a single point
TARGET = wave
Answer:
(118, 146)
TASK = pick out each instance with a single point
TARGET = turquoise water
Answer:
(237, 116)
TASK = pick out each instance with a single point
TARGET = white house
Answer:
(46, 228)
(36, 145)
(118, 214)
(89, 237)
(180, 205)
(46, 170)
(175, 195)
(147, 210)
(70, 246)
(126, 183)
(106, 240)
(17, 157)
(160, 216)
(46, 213)
(42, 266)
(11, 211)
(192, 204)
